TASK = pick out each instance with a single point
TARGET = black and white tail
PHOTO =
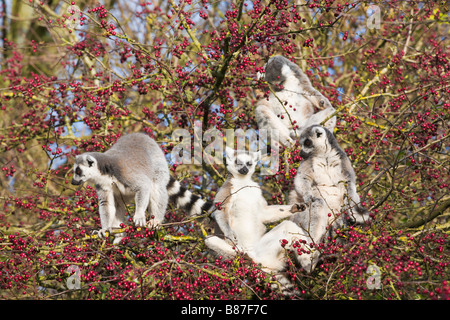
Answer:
(185, 200)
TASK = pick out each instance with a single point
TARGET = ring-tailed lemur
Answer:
(242, 212)
(291, 109)
(326, 181)
(133, 168)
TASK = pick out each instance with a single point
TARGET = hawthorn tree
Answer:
(77, 75)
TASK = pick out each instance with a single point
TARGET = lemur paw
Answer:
(139, 221)
(153, 223)
(322, 104)
(308, 199)
(298, 207)
(101, 233)
(294, 135)
(118, 238)
(232, 239)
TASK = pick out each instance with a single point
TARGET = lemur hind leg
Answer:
(221, 247)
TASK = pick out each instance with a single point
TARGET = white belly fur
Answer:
(329, 181)
(247, 202)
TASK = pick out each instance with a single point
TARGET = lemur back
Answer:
(134, 168)
(291, 108)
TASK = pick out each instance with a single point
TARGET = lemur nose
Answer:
(243, 170)
(76, 182)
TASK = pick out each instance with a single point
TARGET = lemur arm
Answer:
(303, 187)
(352, 200)
(222, 221)
(310, 93)
(276, 213)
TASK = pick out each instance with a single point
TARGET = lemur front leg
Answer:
(107, 211)
(315, 221)
(225, 247)
(158, 205)
(142, 199)
(119, 217)
(316, 98)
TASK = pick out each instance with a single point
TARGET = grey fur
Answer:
(274, 76)
(242, 212)
(292, 108)
(237, 193)
(133, 168)
(327, 182)
(222, 202)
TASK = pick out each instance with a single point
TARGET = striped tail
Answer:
(185, 200)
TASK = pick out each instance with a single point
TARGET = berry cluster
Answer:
(154, 69)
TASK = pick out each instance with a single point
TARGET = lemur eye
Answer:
(307, 143)
(318, 134)
(78, 171)
(248, 164)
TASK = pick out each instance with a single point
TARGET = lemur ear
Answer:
(318, 133)
(90, 160)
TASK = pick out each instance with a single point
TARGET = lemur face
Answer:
(277, 71)
(314, 139)
(241, 163)
(84, 169)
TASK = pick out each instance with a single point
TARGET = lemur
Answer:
(290, 107)
(326, 182)
(133, 168)
(242, 212)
